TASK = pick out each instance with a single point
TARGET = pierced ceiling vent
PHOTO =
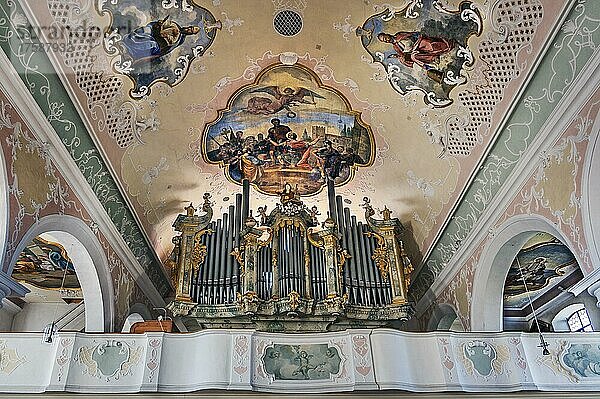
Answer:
(287, 23)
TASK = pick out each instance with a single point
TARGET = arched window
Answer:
(580, 321)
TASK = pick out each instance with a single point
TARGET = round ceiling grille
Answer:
(287, 23)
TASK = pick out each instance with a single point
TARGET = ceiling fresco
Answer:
(543, 263)
(288, 128)
(398, 101)
(45, 264)
(155, 42)
(423, 47)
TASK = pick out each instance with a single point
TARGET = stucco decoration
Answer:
(361, 349)
(60, 200)
(44, 84)
(156, 42)
(565, 60)
(423, 46)
(560, 205)
(111, 359)
(287, 127)
(483, 358)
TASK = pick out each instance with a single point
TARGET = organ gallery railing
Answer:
(287, 271)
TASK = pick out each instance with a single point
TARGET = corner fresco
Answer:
(156, 41)
(541, 262)
(287, 127)
(45, 264)
(302, 362)
(423, 46)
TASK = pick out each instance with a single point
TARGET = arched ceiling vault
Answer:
(438, 99)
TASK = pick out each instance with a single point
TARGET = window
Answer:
(580, 321)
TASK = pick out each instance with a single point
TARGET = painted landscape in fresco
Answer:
(156, 41)
(43, 264)
(540, 264)
(288, 128)
(423, 46)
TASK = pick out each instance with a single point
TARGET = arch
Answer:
(590, 192)
(4, 210)
(495, 260)
(90, 262)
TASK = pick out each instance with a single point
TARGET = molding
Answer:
(581, 90)
(591, 168)
(4, 209)
(26, 106)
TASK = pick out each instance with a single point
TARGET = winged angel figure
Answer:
(289, 97)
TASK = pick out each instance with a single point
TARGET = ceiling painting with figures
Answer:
(288, 128)
(399, 101)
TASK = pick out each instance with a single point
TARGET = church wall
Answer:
(553, 193)
(38, 189)
(35, 316)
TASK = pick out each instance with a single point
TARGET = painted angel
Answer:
(259, 105)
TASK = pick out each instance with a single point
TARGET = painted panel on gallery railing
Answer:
(44, 264)
(287, 127)
(423, 46)
(156, 41)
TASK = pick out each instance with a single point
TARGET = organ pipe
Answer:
(299, 265)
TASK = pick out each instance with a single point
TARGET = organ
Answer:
(287, 271)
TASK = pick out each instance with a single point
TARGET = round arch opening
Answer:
(487, 311)
(89, 260)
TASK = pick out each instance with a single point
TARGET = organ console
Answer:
(288, 272)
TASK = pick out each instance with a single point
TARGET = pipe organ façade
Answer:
(287, 272)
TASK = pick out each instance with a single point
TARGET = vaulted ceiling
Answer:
(443, 98)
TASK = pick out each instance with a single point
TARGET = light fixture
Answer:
(543, 344)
